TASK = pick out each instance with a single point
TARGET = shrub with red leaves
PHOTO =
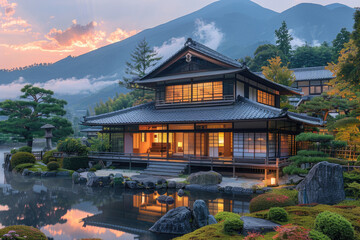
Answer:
(291, 232)
(253, 236)
(268, 200)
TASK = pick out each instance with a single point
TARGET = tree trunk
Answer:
(30, 143)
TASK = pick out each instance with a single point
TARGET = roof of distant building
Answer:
(309, 73)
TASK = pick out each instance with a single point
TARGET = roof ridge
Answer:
(308, 68)
(109, 114)
(264, 106)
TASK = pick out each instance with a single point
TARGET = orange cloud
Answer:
(77, 35)
(120, 34)
(7, 22)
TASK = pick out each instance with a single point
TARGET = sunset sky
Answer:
(41, 31)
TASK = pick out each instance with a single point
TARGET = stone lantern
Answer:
(48, 135)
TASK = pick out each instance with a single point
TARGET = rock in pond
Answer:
(180, 193)
(75, 177)
(205, 178)
(176, 221)
(48, 174)
(171, 184)
(201, 213)
(257, 225)
(132, 184)
(165, 199)
(25, 172)
(63, 174)
(324, 184)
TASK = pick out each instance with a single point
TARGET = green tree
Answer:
(308, 56)
(262, 54)
(283, 39)
(338, 43)
(141, 60)
(36, 108)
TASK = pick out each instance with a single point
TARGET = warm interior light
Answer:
(273, 181)
(180, 144)
(221, 139)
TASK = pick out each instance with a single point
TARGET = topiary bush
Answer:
(278, 214)
(316, 235)
(48, 156)
(19, 168)
(53, 166)
(30, 232)
(233, 225)
(221, 216)
(92, 169)
(268, 200)
(21, 157)
(335, 226)
(25, 149)
(72, 146)
(75, 163)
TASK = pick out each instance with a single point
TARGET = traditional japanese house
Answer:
(209, 110)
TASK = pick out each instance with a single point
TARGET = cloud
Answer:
(208, 34)
(299, 42)
(8, 23)
(119, 35)
(69, 86)
(77, 35)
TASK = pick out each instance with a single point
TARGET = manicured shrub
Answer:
(13, 151)
(22, 157)
(19, 168)
(52, 166)
(97, 166)
(316, 235)
(92, 169)
(233, 225)
(74, 163)
(221, 216)
(291, 232)
(25, 149)
(278, 214)
(254, 236)
(335, 226)
(48, 157)
(30, 232)
(72, 146)
(268, 200)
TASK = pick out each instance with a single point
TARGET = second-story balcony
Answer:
(207, 100)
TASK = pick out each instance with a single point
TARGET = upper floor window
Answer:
(197, 92)
(265, 98)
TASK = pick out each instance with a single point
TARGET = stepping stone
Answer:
(258, 225)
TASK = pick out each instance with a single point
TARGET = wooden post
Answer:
(265, 177)
(130, 162)
(277, 171)
(212, 159)
(189, 161)
(234, 174)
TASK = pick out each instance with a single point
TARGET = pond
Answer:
(66, 211)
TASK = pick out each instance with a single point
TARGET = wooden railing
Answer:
(191, 160)
(349, 154)
(205, 100)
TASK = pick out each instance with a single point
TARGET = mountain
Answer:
(244, 25)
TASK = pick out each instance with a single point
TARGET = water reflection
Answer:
(65, 211)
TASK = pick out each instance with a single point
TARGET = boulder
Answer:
(201, 213)
(48, 174)
(293, 179)
(180, 185)
(176, 221)
(257, 225)
(132, 184)
(75, 177)
(90, 175)
(211, 220)
(149, 184)
(119, 175)
(205, 178)
(228, 189)
(203, 188)
(171, 184)
(324, 184)
(82, 180)
(165, 199)
(169, 200)
(25, 172)
(242, 191)
(180, 193)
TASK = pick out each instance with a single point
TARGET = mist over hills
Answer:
(234, 27)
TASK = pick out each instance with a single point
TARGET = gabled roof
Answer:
(243, 109)
(200, 48)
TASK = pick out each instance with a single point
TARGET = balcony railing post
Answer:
(233, 162)
(212, 161)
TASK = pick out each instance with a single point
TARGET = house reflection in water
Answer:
(136, 213)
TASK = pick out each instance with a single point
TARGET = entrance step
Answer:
(165, 169)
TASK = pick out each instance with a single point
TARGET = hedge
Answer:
(268, 200)
(75, 163)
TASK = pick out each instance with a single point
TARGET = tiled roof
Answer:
(243, 109)
(309, 73)
(312, 73)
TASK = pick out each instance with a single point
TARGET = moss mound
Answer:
(30, 232)
(22, 157)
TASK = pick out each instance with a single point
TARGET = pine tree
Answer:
(283, 40)
(338, 43)
(142, 59)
